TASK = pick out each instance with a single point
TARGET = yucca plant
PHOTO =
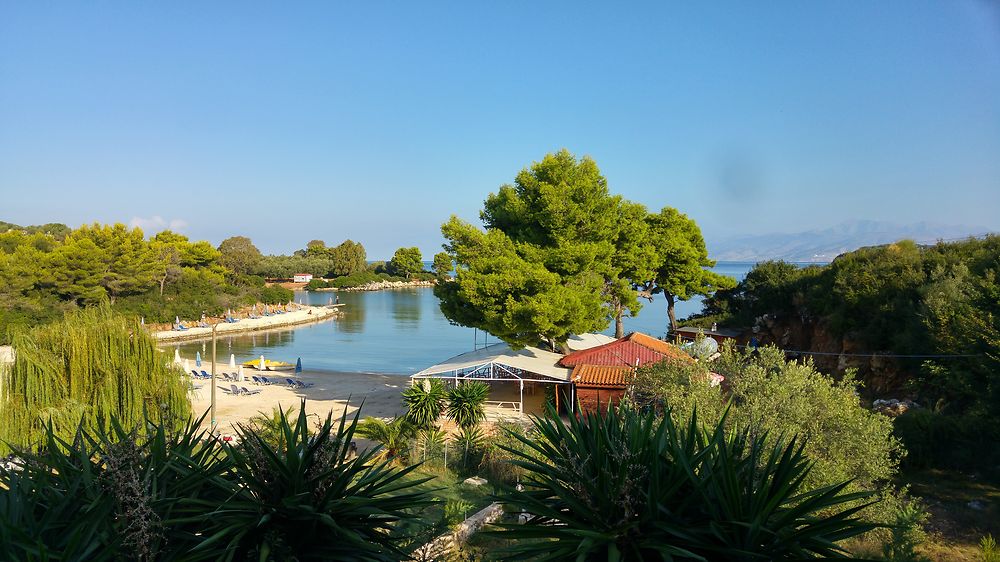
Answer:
(624, 485)
(425, 401)
(111, 494)
(467, 403)
(312, 500)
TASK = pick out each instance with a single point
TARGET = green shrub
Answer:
(934, 439)
(314, 284)
(988, 548)
(276, 294)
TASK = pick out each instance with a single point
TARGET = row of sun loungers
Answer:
(259, 380)
(290, 382)
(240, 390)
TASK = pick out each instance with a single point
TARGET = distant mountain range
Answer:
(822, 245)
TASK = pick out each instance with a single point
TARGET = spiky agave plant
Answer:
(624, 485)
(112, 493)
(311, 500)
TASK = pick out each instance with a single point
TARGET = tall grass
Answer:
(92, 366)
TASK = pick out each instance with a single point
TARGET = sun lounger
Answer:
(248, 392)
(300, 384)
(206, 375)
(256, 380)
(290, 382)
(265, 380)
(202, 325)
(180, 327)
(231, 390)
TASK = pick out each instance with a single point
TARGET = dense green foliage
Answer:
(109, 494)
(442, 265)
(843, 439)
(562, 255)
(239, 255)
(908, 300)
(623, 485)
(43, 275)
(92, 366)
(405, 262)
(347, 258)
(683, 263)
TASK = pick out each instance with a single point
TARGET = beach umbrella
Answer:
(232, 361)
(187, 365)
(177, 319)
(142, 320)
(239, 372)
(177, 355)
(197, 359)
(262, 363)
(298, 365)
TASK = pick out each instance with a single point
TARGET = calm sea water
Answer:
(398, 332)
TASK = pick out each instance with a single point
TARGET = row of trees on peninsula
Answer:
(47, 271)
(561, 255)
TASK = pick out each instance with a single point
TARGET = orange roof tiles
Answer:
(635, 349)
(604, 376)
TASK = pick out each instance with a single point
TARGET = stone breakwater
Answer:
(387, 285)
(304, 315)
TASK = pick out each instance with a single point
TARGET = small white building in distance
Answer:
(302, 278)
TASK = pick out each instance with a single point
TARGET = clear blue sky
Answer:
(376, 121)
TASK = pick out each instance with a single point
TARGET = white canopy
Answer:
(500, 362)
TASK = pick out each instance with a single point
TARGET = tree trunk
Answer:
(672, 327)
(163, 281)
(619, 325)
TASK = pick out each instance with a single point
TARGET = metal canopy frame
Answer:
(498, 372)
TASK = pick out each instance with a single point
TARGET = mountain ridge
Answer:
(822, 245)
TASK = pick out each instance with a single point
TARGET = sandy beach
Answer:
(302, 315)
(330, 391)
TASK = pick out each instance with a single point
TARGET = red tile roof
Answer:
(635, 349)
(602, 376)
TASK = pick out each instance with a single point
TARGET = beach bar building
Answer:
(519, 379)
(601, 374)
(302, 278)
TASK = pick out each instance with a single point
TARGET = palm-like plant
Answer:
(114, 493)
(630, 486)
(466, 403)
(312, 500)
(424, 402)
(392, 436)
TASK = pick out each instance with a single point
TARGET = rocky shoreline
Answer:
(382, 286)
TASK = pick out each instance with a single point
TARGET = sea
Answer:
(398, 331)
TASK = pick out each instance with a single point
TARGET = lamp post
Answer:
(214, 326)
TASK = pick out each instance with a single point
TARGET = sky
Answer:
(376, 121)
